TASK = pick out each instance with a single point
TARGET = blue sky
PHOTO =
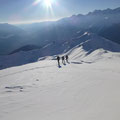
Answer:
(16, 11)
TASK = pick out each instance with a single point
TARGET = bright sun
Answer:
(48, 3)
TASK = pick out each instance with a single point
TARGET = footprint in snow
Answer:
(14, 88)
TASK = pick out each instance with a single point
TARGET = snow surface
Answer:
(86, 89)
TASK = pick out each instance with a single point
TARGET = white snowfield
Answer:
(86, 89)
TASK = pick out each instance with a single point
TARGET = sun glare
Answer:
(48, 3)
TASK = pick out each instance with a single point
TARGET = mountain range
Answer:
(105, 23)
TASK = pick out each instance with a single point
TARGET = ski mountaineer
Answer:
(63, 60)
(66, 58)
(58, 59)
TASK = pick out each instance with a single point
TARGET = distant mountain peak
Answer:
(106, 11)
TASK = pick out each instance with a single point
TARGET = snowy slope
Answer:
(85, 45)
(76, 91)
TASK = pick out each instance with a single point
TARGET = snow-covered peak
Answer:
(91, 42)
(106, 11)
(92, 47)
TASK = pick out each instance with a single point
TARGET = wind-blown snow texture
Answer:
(81, 90)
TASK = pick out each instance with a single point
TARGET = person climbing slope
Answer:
(58, 59)
(63, 60)
(66, 58)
